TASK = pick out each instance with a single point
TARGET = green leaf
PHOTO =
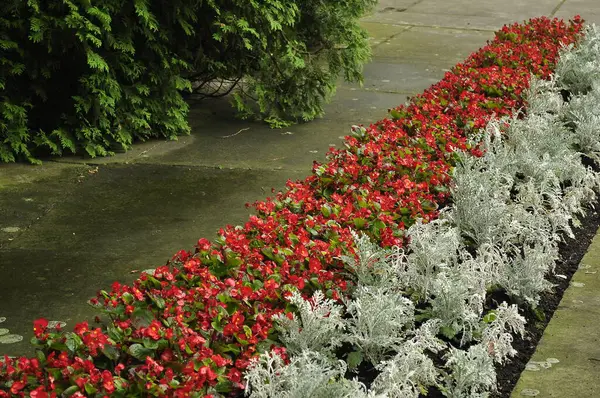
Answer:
(70, 391)
(142, 317)
(90, 389)
(539, 314)
(110, 352)
(448, 332)
(114, 333)
(73, 342)
(40, 356)
(216, 324)
(95, 61)
(247, 331)
(140, 352)
(150, 344)
(359, 222)
(354, 359)
(490, 317)
(127, 298)
(159, 301)
(395, 114)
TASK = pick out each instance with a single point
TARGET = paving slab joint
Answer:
(387, 39)
(555, 10)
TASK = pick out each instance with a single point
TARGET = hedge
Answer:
(82, 76)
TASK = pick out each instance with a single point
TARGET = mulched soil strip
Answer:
(571, 253)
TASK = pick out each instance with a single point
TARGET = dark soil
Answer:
(571, 253)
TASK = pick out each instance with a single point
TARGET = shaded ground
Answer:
(77, 232)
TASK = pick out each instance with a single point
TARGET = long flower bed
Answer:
(438, 315)
(191, 328)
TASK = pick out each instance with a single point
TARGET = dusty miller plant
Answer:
(524, 275)
(457, 300)
(583, 116)
(470, 373)
(497, 335)
(378, 320)
(373, 265)
(579, 66)
(308, 375)
(480, 194)
(411, 370)
(433, 246)
(316, 328)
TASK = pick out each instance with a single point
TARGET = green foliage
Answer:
(89, 76)
(294, 53)
(83, 75)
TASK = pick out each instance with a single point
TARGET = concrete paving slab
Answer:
(19, 211)
(438, 20)
(19, 173)
(379, 32)
(98, 229)
(515, 10)
(480, 15)
(395, 5)
(444, 46)
(588, 9)
(395, 75)
(566, 362)
(220, 140)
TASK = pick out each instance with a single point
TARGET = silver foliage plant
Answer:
(497, 336)
(378, 321)
(411, 370)
(308, 375)
(510, 208)
(433, 247)
(583, 114)
(317, 328)
(373, 265)
(470, 373)
(579, 66)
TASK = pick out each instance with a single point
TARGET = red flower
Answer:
(17, 386)
(39, 327)
(234, 375)
(107, 381)
(314, 265)
(40, 392)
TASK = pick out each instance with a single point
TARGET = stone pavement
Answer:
(567, 359)
(74, 225)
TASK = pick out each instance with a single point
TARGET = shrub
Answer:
(293, 53)
(76, 76)
(95, 77)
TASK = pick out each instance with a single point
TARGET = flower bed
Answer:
(191, 327)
